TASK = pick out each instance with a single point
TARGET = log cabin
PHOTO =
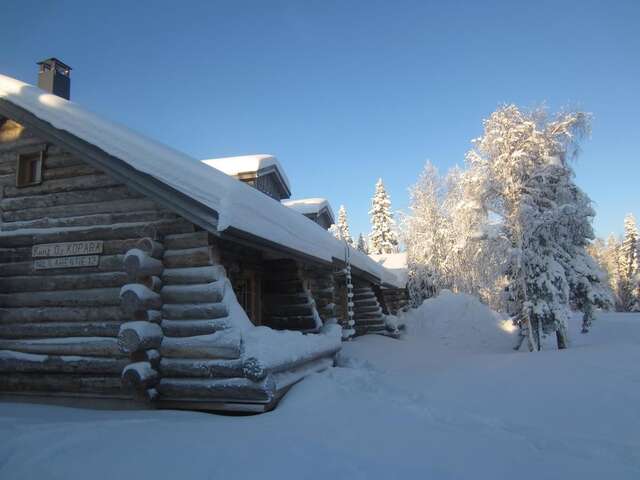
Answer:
(134, 275)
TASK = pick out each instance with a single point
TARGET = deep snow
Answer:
(450, 400)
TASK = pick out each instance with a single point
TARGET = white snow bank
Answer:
(237, 204)
(274, 347)
(460, 322)
(407, 411)
(247, 163)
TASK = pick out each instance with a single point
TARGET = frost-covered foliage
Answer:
(363, 244)
(450, 242)
(620, 259)
(522, 165)
(513, 227)
(340, 230)
(383, 237)
(629, 267)
(425, 235)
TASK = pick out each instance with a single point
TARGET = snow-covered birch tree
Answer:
(383, 237)
(521, 164)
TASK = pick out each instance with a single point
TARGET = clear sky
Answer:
(344, 92)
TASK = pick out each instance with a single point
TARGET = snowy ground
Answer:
(451, 400)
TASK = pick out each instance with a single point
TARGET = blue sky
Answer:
(344, 92)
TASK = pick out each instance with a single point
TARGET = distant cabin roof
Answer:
(235, 166)
(308, 206)
(237, 205)
(395, 262)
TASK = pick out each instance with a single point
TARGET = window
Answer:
(29, 170)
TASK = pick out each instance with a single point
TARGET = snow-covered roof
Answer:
(238, 205)
(235, 166)
(309, 206)
(394, 262)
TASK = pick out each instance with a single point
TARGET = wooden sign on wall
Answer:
(67, 249)
(66, 262)
(66, 255)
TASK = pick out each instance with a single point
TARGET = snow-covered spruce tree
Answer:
(521, 163)
(629, 266)
(423, 234)
(362, 244)
(587, 281)
(383, 237)
(342, 227)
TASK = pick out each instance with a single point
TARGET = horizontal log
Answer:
(139, 264)
(190, 328)
(20, 142)
(60, 383)
(231, 389)
(139, 376)
(199, 368)
(135, 297)
(97, 219)
(84, 182)
(137, 336)
(190, 257)
(107, 263)
(68, 171)
(72, 210)
(207, 292)
(98, 232)
(70, 298)
(67, 198)
(7, 179)
(194, 311)
(12, 362)
(61, 314)
(222, 344)
(89, 346)
(109, 247)
(35, 283)
(57, 330)
(181, 241)
(193, 275)
(62, 159)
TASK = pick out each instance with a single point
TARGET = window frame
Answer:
(29, 158)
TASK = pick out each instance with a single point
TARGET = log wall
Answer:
(59, 327)
(151, 319)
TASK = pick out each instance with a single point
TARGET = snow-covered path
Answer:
(452, 400)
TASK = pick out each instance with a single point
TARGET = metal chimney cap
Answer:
(54, 62)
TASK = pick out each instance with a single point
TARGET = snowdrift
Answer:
(460, 322)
